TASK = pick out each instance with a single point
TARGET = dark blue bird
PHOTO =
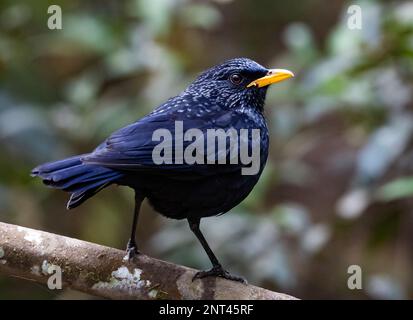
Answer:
(229, 96)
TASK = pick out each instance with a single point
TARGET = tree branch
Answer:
(101, 271)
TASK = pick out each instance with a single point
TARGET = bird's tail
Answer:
(71, 175)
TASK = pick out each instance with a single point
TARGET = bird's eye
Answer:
(235, 78)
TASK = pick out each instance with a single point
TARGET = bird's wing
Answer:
(131, 148)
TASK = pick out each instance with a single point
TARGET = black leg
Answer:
(132, 248)
(217, 270)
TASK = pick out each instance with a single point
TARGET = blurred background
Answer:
(337, 190)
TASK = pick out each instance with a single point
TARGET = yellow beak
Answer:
(273, 76)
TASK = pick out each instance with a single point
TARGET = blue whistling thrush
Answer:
(228, 96)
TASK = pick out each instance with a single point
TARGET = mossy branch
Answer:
(101, 271)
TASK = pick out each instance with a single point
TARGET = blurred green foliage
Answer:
(337, 188)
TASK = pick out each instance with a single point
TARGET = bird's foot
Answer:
(131, 251)
(218, 271)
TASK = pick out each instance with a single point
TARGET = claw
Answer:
(131, 251)
(218, 271)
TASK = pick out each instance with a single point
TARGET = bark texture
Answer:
(102, 271)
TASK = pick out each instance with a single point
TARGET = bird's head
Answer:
(238, 83)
